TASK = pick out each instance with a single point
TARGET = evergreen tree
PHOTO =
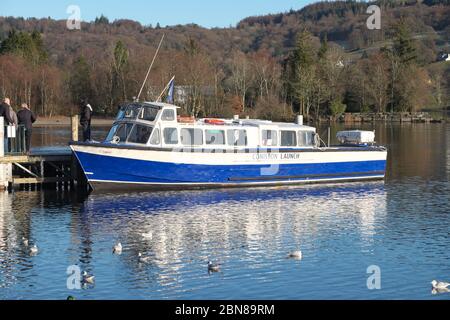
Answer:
(323, 47)
(300, 73)
(120, 64)
(101, 20)
(436, 2)
(404, 72)
(304, 52)
(40, 53)
(80, 80)
(26, 45)
(337, 107)
(404, 47)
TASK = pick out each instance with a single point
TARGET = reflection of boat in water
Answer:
(210, 221)
(150, 147)
(148, 203)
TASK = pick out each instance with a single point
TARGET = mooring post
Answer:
(329, 136)
(74, 123)
(2, 137)
(5, 168)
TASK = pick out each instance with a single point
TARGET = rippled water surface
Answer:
(401, 225)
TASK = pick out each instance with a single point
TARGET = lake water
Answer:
(401, 225)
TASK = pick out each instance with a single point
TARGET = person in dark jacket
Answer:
(85, 119)
(4, 111)
(26, 118)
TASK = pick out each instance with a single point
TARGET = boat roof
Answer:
(161, 104)
(258, 123)
(261, 123)
(236, 122)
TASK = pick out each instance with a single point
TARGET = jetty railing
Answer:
(14, 140)
(51, 168)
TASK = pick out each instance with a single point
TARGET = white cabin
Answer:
(156, 124)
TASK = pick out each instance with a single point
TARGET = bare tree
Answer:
(378, 75)
(240, 76)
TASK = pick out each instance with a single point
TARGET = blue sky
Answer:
(207, 13)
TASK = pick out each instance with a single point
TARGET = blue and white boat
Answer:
(149, 146)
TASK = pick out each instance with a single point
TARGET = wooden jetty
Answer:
(370, 117)
(43, 168)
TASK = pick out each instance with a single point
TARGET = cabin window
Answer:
(168, 115)
(269, 138)
(121, 131)
(237, 137)
(215, 137)
(305, 138)
(131, 111)
(156, 137)
(191, 137)
(140, 134)
(170, 136)
(148, 113)
(288, 138)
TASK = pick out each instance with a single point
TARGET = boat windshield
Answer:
(119, 132)
(129, 112)
(121, 113)
(148, 113)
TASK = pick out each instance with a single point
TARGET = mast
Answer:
(150, 68)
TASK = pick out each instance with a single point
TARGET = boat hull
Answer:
(118, 167)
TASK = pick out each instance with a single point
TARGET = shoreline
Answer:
(419, 117)
(66, 121)
(387, 117)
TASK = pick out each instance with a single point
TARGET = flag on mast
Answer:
(169, 98)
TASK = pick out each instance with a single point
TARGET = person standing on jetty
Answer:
(85, 119)
(14, 123)
(4, 111)
(5, 108)
(26, 118)
(13, 116)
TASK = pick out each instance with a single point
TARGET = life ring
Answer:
(186, 119)
(215, 121)
(115, 140)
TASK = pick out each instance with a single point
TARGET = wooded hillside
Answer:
(321, 59)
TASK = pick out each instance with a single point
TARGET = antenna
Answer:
(150, 68)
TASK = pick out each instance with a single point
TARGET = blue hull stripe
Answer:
(105, 168)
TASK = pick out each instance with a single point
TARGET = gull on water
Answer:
(25, 241)
(34, 249)
(440, 285)
(143, 259)
(88, 278)
(213, 267)
(295, 255)
(117, 249)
